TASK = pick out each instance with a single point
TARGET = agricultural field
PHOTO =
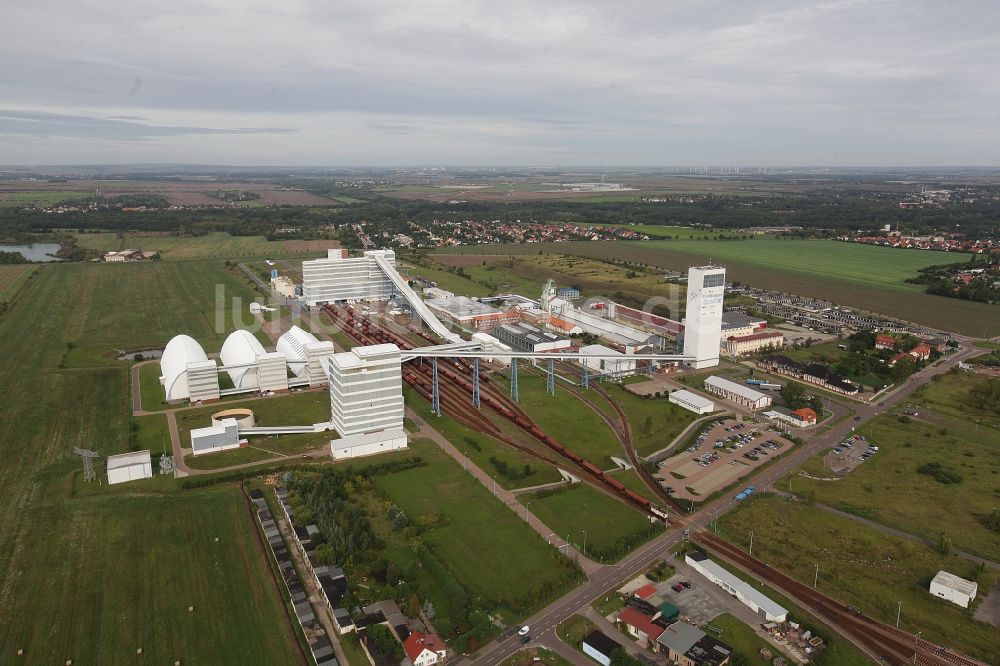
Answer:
(613, 528)
(10, 199)
(861, 276)
(474, 542)
(865, 568)
(84, 566)
(12, 276)
(213, 245)
(888, 488)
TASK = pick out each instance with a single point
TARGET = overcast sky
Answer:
(423, 82)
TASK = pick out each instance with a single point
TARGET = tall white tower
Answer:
(703, 320)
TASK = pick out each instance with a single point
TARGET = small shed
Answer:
(129, 467)
(952, 588)
(668, 611)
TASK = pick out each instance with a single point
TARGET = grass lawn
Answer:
(12, 276)
(862, 276)
(666, 420)
(533, 656)
(574, 630)
(585, 433)
(632, 481)
(446, 280)
(476, 544)
(743, 639)
(86, 566)
(888, 489)
(485, 452)
(863, 567)
(613, 528)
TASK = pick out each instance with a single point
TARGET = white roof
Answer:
(293, 345)
(129, 459)
(600, 349)
(746, 590)
(733, 387)
(240, 348)
(180, 351)
(953, 582)
(692, 398)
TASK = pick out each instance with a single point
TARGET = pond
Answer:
(34, 251)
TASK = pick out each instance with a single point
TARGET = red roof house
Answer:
(805, 414)
(639, 625)
(921, 351)
(884, 341)
(645, 592)
(425, 649)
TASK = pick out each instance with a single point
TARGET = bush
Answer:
(939, 473)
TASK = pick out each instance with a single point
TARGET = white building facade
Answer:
(366, 389)
(738, 393)
(340, 278)
(692, 402)
(954, 589)
(703, 324)
(129, 467)
(221, 437)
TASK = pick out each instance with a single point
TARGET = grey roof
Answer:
(680, 637)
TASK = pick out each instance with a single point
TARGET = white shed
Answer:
(224, 435)
(129, 467)
(954, 589)
(692, 401)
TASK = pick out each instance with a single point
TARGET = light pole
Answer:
(494, 485)
(816, 577)
(915, 645)
(527, 504)
(899, 609)
(585, 542)
(751, 543)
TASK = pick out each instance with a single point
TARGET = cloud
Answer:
(42, 124)
(651, 82)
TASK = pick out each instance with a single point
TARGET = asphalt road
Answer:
(543, 624)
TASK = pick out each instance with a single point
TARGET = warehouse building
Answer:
(129, 467)
(751, 344)
(470, 313)
(526, 337)
(800, 418)
(284, 286)
(186, 373)
(224, 434)
(620, 366)
(763, 606)
(738, 324)
(692, 402)
(738, 393)
(569, 294)
(340, 278)
(703, 322)
(241, 350)
(952, 588)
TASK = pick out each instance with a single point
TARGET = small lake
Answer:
(34, 251)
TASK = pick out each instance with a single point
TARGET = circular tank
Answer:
(244, 417)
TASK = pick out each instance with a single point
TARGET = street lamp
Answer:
(751, 543)
(899, 609)
(915, 645)
(816, 577)
(527, 504)
(494, 485)
(585, 542)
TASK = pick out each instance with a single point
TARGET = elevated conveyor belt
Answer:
(416, 303)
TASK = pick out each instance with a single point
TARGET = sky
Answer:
(442, 83)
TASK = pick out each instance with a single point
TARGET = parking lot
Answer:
(849, 454)
(722, 453)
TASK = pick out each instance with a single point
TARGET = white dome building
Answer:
(293, 345)
(179, 352)
(242, 348)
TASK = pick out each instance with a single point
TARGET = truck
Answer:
(744, 494)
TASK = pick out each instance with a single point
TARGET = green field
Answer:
(87, 569)
(213, 245)
(585, 433)
(888, 489)
(862, 276)
(613, 528)
(863, 567)
(743, 639)
(12, 277)
(476, 543)
(484, 451)
(40, 199)
(665, 420)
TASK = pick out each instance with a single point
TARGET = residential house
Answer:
(425, 649)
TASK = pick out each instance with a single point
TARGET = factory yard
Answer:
(720, 454)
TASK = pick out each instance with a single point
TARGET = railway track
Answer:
(891, 645)
(455, 393)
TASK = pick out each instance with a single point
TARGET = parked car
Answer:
(687, 585)
(678, 587)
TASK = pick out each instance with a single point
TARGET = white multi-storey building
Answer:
(340, 278)
(366, 389)
(703, 323)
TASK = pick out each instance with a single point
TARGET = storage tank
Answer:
(241, 348)
(293, 345)
(181, 350)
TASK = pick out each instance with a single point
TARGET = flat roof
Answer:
(692, 398)
(601, 643)
(461, 306)
(733, 387)
(953, 582)
(680, 636)
(127, 459)
(600, 349)
(748, 591)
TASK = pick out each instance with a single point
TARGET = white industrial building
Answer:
(240, 350)
(742, 590)
(340, 278)
(492, 344)
(954, 589)
(366, 389)
(368, 444)
(186, 372)
(692, 402)
(220, 437)
(703, 318)
(629, 338)
(306, 355)
(620, 366)
(738, 393)
(129, 467)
